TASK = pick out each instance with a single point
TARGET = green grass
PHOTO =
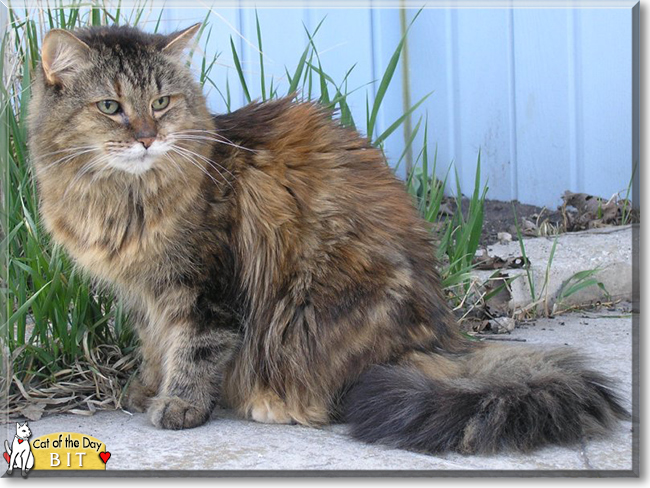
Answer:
(578, 281)
(58, 326)
(458, 236)
(51, 317)
(627, 210)
(575, 283)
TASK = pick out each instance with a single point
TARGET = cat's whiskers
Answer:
(68, 149)
(215, 166)
(66, 158)
(112, 150)
(191, 161)
(86, 168)
(176, 166)
(210, 163)
(175, 149)
(98, 174)
(79, 175)
(218, 137)
(213, 132)
(205, 140)
(207, 160)
(200, 137)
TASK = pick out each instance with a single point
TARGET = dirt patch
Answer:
(499, 217)
(575, 215)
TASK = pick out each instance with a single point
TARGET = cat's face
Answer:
(117, 98)
(23, 430)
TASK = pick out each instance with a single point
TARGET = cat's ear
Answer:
(62, 54)
(178, 41)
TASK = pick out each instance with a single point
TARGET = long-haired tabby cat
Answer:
(273, 263)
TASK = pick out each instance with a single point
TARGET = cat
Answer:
(273, 263)
(20, 453)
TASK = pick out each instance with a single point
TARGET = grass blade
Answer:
(386, 80)
(261, 50)
(240, 72)
(398, 122)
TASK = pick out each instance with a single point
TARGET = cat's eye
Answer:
(160, 103)
(109, 107)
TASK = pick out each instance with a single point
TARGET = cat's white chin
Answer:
(133, 166)
(138, 160)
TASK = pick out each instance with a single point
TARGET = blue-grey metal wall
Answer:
(546, 94)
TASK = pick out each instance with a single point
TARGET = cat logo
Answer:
(55, 452)
(19, 455)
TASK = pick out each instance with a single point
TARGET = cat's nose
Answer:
(146, 141)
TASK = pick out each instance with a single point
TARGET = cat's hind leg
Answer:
(261, 403)
(268, 408)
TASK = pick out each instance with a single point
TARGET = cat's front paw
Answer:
(174, 413)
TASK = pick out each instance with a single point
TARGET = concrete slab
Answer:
(608, 249)
(227, 444)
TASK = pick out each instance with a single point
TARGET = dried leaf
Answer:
(480, 326)
(502, 325)
(446, 210)
(496, 262)
(33, 411)
(591, 211)
(498, 325)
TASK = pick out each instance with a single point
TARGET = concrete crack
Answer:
(583, 454)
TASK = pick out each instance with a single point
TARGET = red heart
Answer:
(20, 441)
(6, 457)
(105, 456)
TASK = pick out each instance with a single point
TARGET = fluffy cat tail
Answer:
(492, 398)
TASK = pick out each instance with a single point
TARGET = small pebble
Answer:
(504, 237)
